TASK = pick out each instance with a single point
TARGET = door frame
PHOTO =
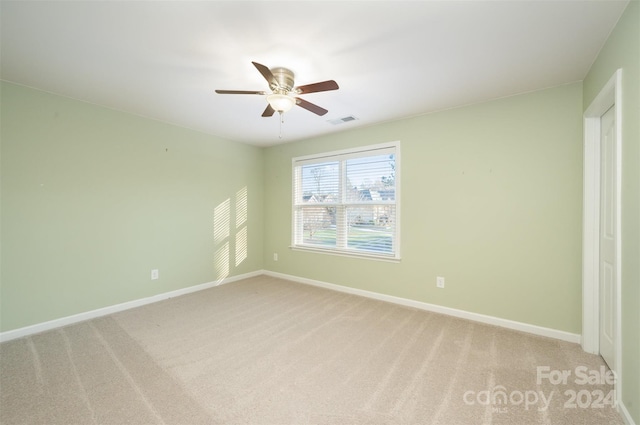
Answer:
(609, 96)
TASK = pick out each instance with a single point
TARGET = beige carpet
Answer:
(269, 351)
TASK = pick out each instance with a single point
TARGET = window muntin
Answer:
(347, 202)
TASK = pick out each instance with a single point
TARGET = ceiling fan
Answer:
(284, 93)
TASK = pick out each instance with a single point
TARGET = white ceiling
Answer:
(392, 59)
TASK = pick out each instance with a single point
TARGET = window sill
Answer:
(342, 253)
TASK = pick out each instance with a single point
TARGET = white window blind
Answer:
(347, 202)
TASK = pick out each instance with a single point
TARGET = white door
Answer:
(608, 194)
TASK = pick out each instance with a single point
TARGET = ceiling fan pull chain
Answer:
(281, 121)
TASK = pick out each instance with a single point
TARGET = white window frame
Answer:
(343, 155)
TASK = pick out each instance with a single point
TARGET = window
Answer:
(347, 202)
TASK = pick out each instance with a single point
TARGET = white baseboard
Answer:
(625, 414)
(81, 317)
(64, 321)
(491, 320)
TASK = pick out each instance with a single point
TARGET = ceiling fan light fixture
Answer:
(281, 102)
(284, 92)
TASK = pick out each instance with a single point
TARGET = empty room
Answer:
(320, 212)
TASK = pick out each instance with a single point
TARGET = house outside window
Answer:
(347, 202)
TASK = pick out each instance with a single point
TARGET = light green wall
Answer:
(622, 50)
(93, 199)
(491, 200)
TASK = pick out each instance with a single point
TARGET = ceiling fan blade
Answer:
(316, 87)
(269, 111)
(310, 107)
(239, 92)
(266, 73)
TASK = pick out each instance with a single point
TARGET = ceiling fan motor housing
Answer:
(284, 92)
(285, 79)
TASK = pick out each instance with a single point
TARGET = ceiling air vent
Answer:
(342, 120)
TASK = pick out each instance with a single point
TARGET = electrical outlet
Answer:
(275, 256)
(155, 274)
(440, 282)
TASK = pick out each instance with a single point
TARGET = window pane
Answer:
(319, 225)
(371, 179)
(346, 201)
(371, 228)
(320, 183)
